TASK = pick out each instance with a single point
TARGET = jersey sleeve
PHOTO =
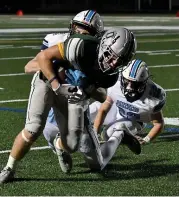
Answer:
(44, 44)
(161, 103)
(73, 51)
(80, 51)
(109, 91)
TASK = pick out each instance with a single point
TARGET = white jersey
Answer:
(53, 39)
(110, 117)
(140, 110)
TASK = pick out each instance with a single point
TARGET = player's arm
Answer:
(158, 125)
(156, 118)
(45, 58)
(31, 67)
(102, 112)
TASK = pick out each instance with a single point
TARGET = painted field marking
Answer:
(15, 100)
(12, 74)
(166, 53)
(15, 58)
(34, 148)
(172, 90)
(33, 30)
(164, 66)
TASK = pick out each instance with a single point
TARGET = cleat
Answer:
(6, 175)
(132, 142)
(64, 159)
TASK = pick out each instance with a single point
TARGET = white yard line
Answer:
(33, 30)
(166, 53)
(164, 66)
(12, 74)
(15, 100)
(171, 121)
(34, 148)
(171, 90)
(159, 51)
(15, 58)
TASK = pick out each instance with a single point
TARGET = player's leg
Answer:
(72, 123)
(115, 134)
(66, 141)
(39, 104)
(50, 131)
(90, 146)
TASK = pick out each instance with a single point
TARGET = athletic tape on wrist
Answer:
(146, 139)
(56, 88)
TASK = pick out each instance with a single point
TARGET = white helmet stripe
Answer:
(134, 68)
(73, 50)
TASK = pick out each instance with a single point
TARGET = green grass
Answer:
(153, 173)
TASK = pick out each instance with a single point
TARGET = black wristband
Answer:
(52, 79)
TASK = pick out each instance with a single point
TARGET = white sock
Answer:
(11, 162)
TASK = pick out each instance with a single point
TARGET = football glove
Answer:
(77, 97)
(74, 77)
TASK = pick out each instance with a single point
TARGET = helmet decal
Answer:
(134, 68)
(89, 15)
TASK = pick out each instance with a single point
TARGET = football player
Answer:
(85, 22)
(77, 25)
(139, 100)
(116, 48)
(79, 51)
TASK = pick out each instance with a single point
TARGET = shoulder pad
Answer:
(54, 38)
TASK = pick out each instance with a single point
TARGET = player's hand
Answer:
(141, 140)
(77, 97)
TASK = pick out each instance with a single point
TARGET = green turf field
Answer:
(153, 173)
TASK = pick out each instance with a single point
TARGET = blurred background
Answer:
(73, 6)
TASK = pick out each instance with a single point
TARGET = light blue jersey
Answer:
(51, 117)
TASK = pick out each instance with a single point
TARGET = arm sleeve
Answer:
(44, 44)
(158, 107)
(73, 51)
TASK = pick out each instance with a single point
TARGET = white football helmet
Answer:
(88, 19)
(117, 48)
(134, 79)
